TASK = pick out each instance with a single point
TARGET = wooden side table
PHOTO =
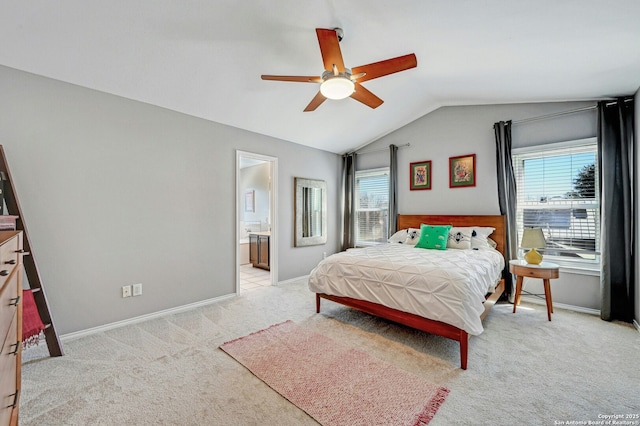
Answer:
(545, 271)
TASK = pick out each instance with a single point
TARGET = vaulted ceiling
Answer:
(205, 58)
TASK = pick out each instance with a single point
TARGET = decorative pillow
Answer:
(479, 238)
(398, 237)
(433, 237)
(460, 238)
(413, 235)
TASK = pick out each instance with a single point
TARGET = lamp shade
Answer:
(337, 87)
(533, 238)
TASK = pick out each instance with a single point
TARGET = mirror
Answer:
(311, 212)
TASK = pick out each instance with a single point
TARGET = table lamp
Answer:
(533, 238)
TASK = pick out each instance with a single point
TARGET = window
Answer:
(372, 206)
(558, 191)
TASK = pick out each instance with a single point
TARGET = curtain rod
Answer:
(543, 117)
(381, 149)
(572, 111)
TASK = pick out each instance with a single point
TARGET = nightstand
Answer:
(545, 271)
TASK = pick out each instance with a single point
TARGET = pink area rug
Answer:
(334, 384)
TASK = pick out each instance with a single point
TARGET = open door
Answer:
(256, 221)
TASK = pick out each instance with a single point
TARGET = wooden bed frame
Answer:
(416, 321)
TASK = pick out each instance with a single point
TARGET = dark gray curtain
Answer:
(506, 194)
(393, 189)
(348, 200)
(616, 173)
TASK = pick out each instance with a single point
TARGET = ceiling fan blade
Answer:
(315, 102)
(382, 68)
(295, 78)
(330, 49)
(361, 94)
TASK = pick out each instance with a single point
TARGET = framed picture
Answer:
(250, 201)
(462, 171)
(420, 174)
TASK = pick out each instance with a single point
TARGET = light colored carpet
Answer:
(522, 370)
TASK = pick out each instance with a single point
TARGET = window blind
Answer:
(372, 206)
(557, 190)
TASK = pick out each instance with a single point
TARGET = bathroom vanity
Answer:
(259, 255)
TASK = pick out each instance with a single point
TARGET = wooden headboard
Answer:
(495, 221)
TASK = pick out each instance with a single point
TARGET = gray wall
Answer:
(116, 192)
(452, 131)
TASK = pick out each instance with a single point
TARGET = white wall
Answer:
(453, 131)
(255, 178)
(117, 192)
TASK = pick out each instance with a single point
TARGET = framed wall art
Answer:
(462, 171)
(250, 201)
(420, 175)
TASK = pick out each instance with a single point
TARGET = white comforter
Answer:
(442, 285)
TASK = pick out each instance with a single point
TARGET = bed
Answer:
(387, 281)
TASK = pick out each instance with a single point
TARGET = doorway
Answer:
(256, 221)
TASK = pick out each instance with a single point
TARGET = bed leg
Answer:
(464, 349)
(317, 303)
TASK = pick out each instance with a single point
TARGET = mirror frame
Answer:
(300, 184)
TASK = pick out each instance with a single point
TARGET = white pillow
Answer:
(460, 238)
(398, 237)
(413, 235)
(480, 236)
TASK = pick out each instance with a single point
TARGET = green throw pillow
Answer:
(433, 237)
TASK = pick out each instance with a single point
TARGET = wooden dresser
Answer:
(10, 325)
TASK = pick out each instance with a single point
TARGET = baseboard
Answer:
(170, 311)
(134, 320)
(636, 325)
(532, 299)
(291, 280)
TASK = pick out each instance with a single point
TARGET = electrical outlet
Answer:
(126, 291)
(137, 289)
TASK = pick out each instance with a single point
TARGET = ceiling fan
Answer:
(339, 82)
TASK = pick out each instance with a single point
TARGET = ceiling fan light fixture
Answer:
(337, 87)
(339, 82)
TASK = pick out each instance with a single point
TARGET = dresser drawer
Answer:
(10, 342)
(9, 258)
(8, 375)
(9, 301)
